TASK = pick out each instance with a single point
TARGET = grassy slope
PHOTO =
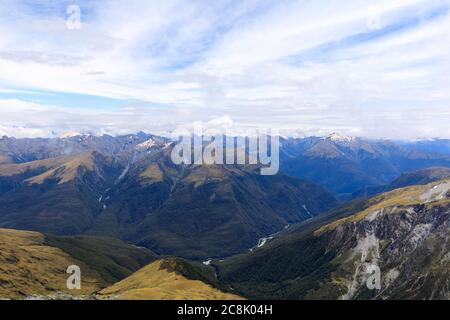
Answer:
(111, 258)
(29, 266)
(168, 279)
(33, 263)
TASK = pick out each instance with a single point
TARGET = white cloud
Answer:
(308, 66)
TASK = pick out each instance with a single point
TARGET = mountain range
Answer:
(189, 211)
(346, 165)
(145, 228)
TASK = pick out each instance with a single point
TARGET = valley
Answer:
(403, 232)
(190, 211)
(141, 227)
(236, 159)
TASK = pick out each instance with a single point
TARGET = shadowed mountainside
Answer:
(190, 211)
(205, 211)
(348, 164)
(422, 176)
(404, 232)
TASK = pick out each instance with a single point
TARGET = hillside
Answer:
(190, 211)
(111, 258)
(409, 178)
(199, 212)
(57, 195)
(346, 165)
(33, 264)
(167, 279)
(403, 232)
(339, 163)
(423, 176)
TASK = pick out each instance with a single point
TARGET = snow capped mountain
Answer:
(71, 134)
(146, 144)
(336, 137)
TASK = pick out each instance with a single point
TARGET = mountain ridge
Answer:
(168, 279)
(346, 166)
(403, 232)
(191, 211)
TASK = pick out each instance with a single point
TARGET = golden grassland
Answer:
(64, 168)
(29, 267)
(68, 171)
(11, 169)
(155, 282)
(152, 174)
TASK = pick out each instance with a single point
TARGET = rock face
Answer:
(409, 244)
(393, 246)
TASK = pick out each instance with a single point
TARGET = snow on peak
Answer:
(70, 134)
(146, 144)
(340, 138)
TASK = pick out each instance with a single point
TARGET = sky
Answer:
(376, 69)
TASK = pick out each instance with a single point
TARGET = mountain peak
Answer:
(336, 137)
(71, 134)
(146, 144)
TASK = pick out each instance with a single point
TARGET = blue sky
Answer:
(378, 69)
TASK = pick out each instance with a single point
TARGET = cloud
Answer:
(299, 66)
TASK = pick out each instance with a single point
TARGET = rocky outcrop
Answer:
(409, 245)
